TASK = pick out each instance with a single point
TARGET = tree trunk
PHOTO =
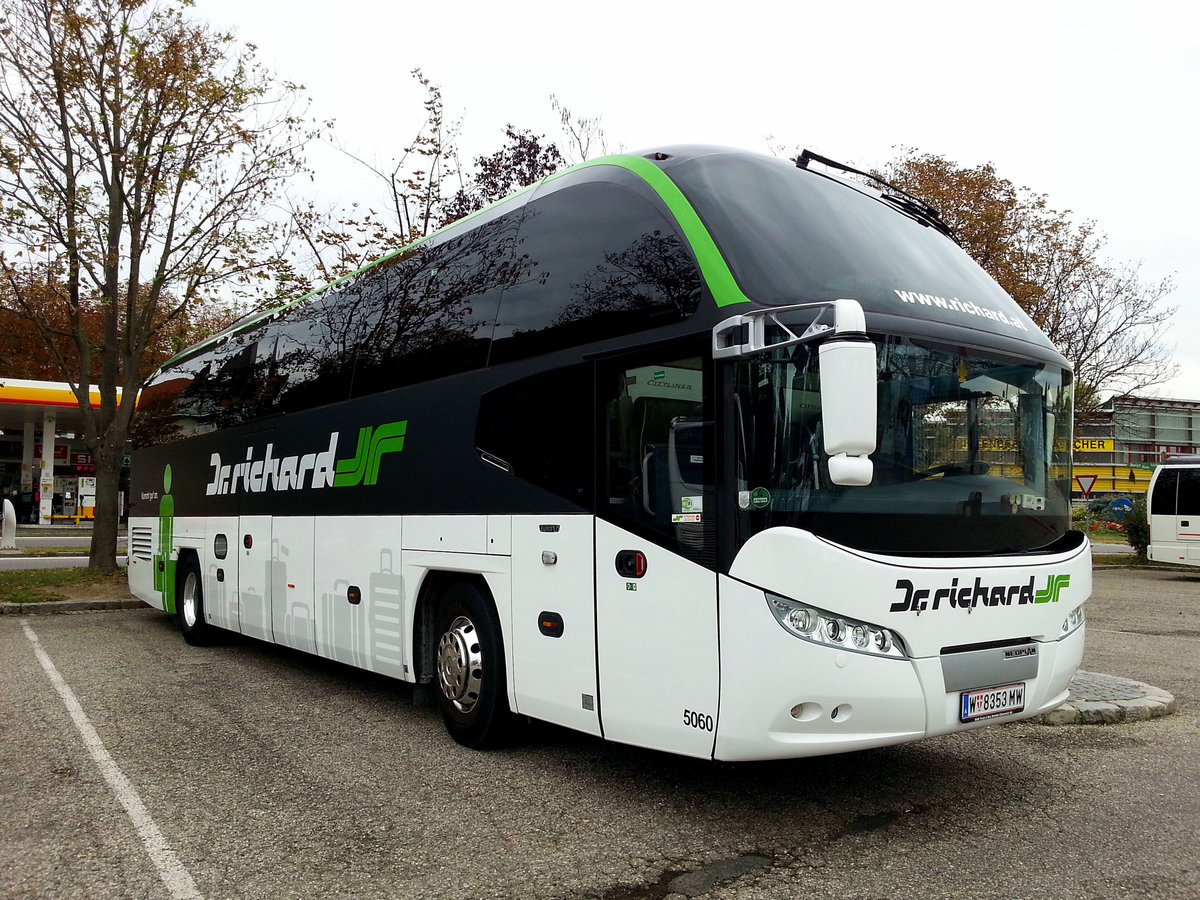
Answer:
(110, 451)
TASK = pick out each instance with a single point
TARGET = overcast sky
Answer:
(1093, 103)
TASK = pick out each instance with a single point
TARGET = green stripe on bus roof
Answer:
(713, 267)
(712, 264)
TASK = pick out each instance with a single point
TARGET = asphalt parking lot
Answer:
(268, 773)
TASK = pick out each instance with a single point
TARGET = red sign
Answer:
(1086, 482)
(60, 453)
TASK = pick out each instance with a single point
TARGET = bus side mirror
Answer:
(848, 408)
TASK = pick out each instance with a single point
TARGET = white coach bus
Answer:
(697, 450)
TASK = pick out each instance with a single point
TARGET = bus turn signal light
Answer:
(550, 624)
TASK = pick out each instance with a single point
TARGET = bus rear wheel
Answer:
(189, 605)
(469, 661)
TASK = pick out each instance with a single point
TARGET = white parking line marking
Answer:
(174, 876)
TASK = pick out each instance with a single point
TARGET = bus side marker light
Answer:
(550, 624)
(354, 595)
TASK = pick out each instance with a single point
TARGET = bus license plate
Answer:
(992, 702)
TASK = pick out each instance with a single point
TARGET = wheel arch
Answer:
(434, 584)
(185, 557)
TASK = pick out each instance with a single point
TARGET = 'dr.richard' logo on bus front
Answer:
(970, 595)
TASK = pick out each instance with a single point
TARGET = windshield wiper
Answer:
(912, 206)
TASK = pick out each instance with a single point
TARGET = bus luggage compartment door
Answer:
(290, 569)
(255, 577)
(656, 637)
(553, 620)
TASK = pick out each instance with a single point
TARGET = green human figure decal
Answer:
(164, 566)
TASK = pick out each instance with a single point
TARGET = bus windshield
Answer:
(972, 452)
(793, 236)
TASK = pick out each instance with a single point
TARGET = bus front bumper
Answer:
(783, 697)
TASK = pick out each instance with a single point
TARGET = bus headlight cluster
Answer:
(1073, 621)
(831, 630)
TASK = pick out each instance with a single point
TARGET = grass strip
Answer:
(40, 585)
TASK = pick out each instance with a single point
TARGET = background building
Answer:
(1122, 443)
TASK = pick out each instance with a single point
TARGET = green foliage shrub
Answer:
(1137, 529)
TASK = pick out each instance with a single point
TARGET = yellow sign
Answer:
(1008, 445)
(1005, 445)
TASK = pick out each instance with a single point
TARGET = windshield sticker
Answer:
(676, 518)
(967, 307)
(744, 499)
(691, 504)
(760, 498)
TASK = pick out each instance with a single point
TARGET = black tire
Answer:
(189, 604)
(470, 683)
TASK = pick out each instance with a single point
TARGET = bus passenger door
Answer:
(255, 576)
(656, 639)
(656, 584)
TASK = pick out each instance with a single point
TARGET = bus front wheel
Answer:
(469, 661)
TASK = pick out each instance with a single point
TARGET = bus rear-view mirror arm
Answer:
(848, 375)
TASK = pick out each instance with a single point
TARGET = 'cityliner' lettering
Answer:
(968, 596)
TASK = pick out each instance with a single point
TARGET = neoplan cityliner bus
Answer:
(696, 450)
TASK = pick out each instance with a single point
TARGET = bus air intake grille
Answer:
(141, 543)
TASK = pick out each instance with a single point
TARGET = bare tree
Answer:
(1111, 326)
(418, 180)
(585, 137)
(524, 159)
(1100, 314)
(136, 150)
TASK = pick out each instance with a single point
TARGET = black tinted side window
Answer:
(541, 429)
(233, 383)
(161, 413)
(313, 363)
(597, 261)
(432, 313)
(1163, 501)
(1189, 492)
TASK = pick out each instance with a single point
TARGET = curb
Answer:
(50, 607)
(1097, 699)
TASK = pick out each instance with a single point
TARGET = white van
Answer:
(1173, 511)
